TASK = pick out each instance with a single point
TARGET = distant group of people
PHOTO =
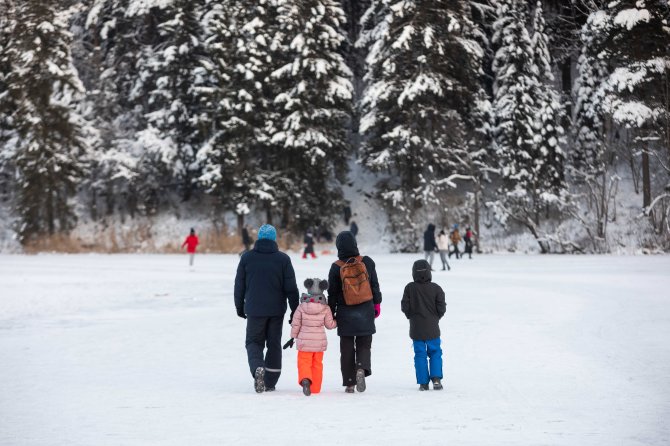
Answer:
(446, 245)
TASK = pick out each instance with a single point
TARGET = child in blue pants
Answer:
(424, 305)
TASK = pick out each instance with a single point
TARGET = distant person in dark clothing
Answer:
(309, 245)
(246, 240)
(347, 214)
(354, 228)
(355, 323)
(264, 283)
(424, 305)
(469, 242)
(429, 244)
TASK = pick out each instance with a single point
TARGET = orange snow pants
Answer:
(310, 366)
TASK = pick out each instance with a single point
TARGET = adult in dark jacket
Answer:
(309, 245)
(246, 239)
(353, 228)
(264, 283)
(424, 305)
(429, 244)
(355, 323)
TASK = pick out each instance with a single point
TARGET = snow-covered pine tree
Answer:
(526, 123)
(50, 151)
(636, 43)
(236, 159)
(590, 160)
(179, 121)
(315, 102)
(421, 82)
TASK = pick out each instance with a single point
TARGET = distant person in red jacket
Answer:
(191, 242)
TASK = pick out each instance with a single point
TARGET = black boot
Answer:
(423, 387)
(306, 386)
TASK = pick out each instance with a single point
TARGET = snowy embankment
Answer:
(140, 350)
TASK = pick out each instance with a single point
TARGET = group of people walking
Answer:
(266, 288)
(446, 245)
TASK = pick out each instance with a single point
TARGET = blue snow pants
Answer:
(262, 332)
(425, 351)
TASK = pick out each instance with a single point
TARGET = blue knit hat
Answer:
(267, 232)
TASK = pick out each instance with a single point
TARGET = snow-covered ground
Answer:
(140, 350)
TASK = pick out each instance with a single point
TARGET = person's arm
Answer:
(329, 321)
(440, 302)
(296, 323)
(290, 286)
(184, 244)
(374, 283)
(334, 288)
(240, 287)
(404, 302)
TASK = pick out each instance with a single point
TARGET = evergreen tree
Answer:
(236, 160)
(50, 150)
(179, 121)
(421, 82)
(314, 99)
(527, 126)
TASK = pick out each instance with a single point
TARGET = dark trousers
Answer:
(354, 354)
(262, 331)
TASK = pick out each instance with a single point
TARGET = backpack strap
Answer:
(341, 263)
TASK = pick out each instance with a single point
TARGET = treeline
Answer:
(525, 109)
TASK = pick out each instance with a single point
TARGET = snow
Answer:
(138, 349)
(631, 17)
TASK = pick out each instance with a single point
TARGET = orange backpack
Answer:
(355, 281)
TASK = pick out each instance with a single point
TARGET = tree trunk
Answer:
(478, 190)
(646, 180)
(240, 224)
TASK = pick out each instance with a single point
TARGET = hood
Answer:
(431, 228)
(421, 271)
(313, 307)
(266, 246)
(346, 245)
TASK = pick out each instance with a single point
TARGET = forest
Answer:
(542, 117)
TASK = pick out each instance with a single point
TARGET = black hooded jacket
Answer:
(429, 243)
(354, 320)
(423, 303)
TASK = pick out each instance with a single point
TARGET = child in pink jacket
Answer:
(307, 327)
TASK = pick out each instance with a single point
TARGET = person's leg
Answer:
(190, 260)
(363, 354)
(347, 360)
(434, 351)
(431, 257)
(443, 258)
(304, 366)
(426, 254)
(313, 255)
(317, 371)
(274, 351)
(255, 342)
(420, 362)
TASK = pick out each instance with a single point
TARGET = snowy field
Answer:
(139, 350)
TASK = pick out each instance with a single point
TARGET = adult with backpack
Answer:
(355, 300)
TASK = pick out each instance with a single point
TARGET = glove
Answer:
(378, 310)
(289, 344)
(240, 313)
(290, 319)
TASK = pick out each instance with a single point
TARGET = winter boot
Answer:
(349, 389)
(437, 384)
(423, 387)
(306, 386)
(360, 380)
(259, 380)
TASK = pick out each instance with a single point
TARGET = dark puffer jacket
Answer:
(352, 320)
(423, 303)
(265, 281)
(429, 243)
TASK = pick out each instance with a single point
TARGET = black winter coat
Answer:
(423, 303)
(265, 281)
(352, 320)
(429, 243)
